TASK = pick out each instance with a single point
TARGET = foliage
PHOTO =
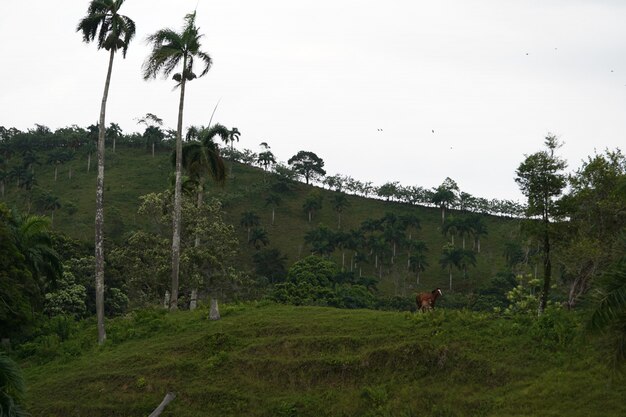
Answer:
(67, 299)
(317, 281)
(12, 389)
(609, 315)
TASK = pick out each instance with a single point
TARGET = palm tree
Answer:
(609, 315)
(12, 388)
(169, 49)
(32, 238)
(478, 228)
(114, 131)
(466, 258)
(312, 203)
(233, 136)
(339, 202)
(418, 264)
(258, 237)
(202, 159)
(249, 219)
(273, 200)
(450, 257)
(113, 32)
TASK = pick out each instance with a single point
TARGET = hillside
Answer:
(131, 173)
(267, 360)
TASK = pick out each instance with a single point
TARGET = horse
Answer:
(426, 300)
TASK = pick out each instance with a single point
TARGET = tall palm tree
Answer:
(113, 32)
(273, 200)
(249, 219)
(450, 257)
(200, 160)
(233, 136)
(169, 49)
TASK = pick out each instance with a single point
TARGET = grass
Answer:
(131, 173)
(270, 360)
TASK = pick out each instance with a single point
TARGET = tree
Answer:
(153, 135)
(312, 203)
(113, 32)
(258, 237)
(266, 159)
(169, 49)
(273, 200)
(114, 132)
(541, 180)
(249, 219)
(201, 160)
(417, 260)
(233, 136)
(450, 257)
(339, 203)
(308, 165)
(477, 228)
(444, 196)
(322, 241)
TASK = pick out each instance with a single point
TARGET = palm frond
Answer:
(12, 388)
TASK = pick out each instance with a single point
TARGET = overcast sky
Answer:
(490, 77)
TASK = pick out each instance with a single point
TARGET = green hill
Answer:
(268, 360)
(131, 173)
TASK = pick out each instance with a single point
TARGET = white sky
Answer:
(490, 77)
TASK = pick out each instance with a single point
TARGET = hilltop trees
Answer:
(113, 32)
(171, 49)
(308, 165)
(541, 180)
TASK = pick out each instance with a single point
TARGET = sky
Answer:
(397, 90)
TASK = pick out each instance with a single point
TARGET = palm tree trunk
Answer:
(450, 272)
(176, 222)
(214, 311)
(193, 302)
(153, 149)
(88, 161)
(99, 243)
(273, 215)
(56, 168)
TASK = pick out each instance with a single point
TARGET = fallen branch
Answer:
(168, 399)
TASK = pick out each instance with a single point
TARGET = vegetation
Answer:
(263, 360)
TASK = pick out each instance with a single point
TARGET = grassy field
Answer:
(131, 173)
(268, 360)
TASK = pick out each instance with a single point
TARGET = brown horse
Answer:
(426, 300)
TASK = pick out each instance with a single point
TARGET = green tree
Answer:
(541, 180)
(113, 32)
(153, 135)
(169, 49)
(308, 165)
